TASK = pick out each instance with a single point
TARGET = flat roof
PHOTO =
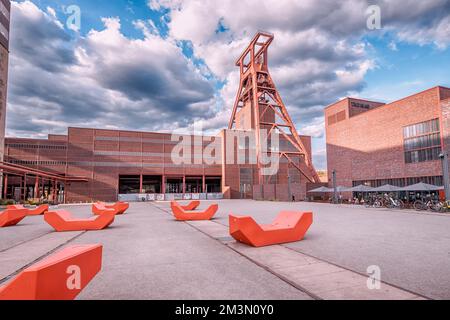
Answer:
(389, 103)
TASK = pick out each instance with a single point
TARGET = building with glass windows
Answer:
(398, 143)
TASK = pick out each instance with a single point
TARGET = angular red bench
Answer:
(62, 220)
(120, 206)
(185, 215)
(189, 207)
(11, 217)
(100, 208)
(61, 276)
(31, 212)
(287, 227)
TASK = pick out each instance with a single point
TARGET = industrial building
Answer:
(259, 156)
(398, 143)
(5, 14)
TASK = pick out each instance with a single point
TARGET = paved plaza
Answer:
(148, 255)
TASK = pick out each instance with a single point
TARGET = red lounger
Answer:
(31, 212)
(120, 206)
(61, 276)
(183, 215)
(62, 220)
(190, 207)
(287, 227)
(100, 208)
(11, 217)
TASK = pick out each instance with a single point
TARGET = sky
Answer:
(161, 65)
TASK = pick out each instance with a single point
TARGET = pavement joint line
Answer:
(23, 242)
(8, 277)
(285, 279)
(357, 272)
(282, 278)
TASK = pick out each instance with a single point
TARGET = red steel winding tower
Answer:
(259, 107)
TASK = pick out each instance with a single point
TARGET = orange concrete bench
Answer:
(62, 220)
(31, 212)
(189, 207)
(287, 227)
(120, 206)
(185, 215)
(61, 276)
(100, 208)
(11, 217)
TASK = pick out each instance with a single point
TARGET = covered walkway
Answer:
(22, 184)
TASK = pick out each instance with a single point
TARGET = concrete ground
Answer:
(412, 249)
(148, 255)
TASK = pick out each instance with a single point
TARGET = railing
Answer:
(136, 197)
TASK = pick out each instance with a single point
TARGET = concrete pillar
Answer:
(36, 188)
(5, 187)
(204, 184)
(184, 184)
(163, 191)
(25, 188)
(141, 183)
(445, 173)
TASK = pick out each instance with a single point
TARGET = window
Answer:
(337, 117)
(422, 141)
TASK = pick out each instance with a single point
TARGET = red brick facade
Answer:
(368, 144)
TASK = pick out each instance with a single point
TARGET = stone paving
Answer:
(148, 255)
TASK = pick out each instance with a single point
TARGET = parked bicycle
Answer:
(429, 204)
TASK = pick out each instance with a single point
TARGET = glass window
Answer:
(422, 141)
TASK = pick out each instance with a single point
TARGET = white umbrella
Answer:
(361, 188)
(321, 190)
(387, 188)
(422, 187)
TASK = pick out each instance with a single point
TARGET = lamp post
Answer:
(335, 197)
(444, 158)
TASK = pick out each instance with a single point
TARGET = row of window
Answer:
(36, 163)
(36, 146)
(401, 182)
(418, 129)
(427, 141)
(337, 117)
(422, 155)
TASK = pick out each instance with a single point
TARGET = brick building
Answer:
(397, 143)
(141, 163)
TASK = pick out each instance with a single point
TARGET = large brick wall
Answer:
(369, 145)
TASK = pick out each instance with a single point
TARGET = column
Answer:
(163, 191)
(184, 184)
(141, 182)
(204, 184)
(5, 187)
(25, 188)
(36, 188)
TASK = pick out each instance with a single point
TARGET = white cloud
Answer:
(102, 80)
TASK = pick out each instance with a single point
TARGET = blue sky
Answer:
(175, 60)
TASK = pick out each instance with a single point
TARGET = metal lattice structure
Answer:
(259, 106)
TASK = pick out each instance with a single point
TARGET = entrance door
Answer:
(246, 183)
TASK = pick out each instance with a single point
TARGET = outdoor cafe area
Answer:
(420, 196)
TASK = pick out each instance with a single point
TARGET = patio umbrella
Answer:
(422, 187)
(361, 188)
(387, 188)
(341, 189)
(321, 190)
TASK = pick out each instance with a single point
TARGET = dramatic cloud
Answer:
(102, 80)
(319, 54)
